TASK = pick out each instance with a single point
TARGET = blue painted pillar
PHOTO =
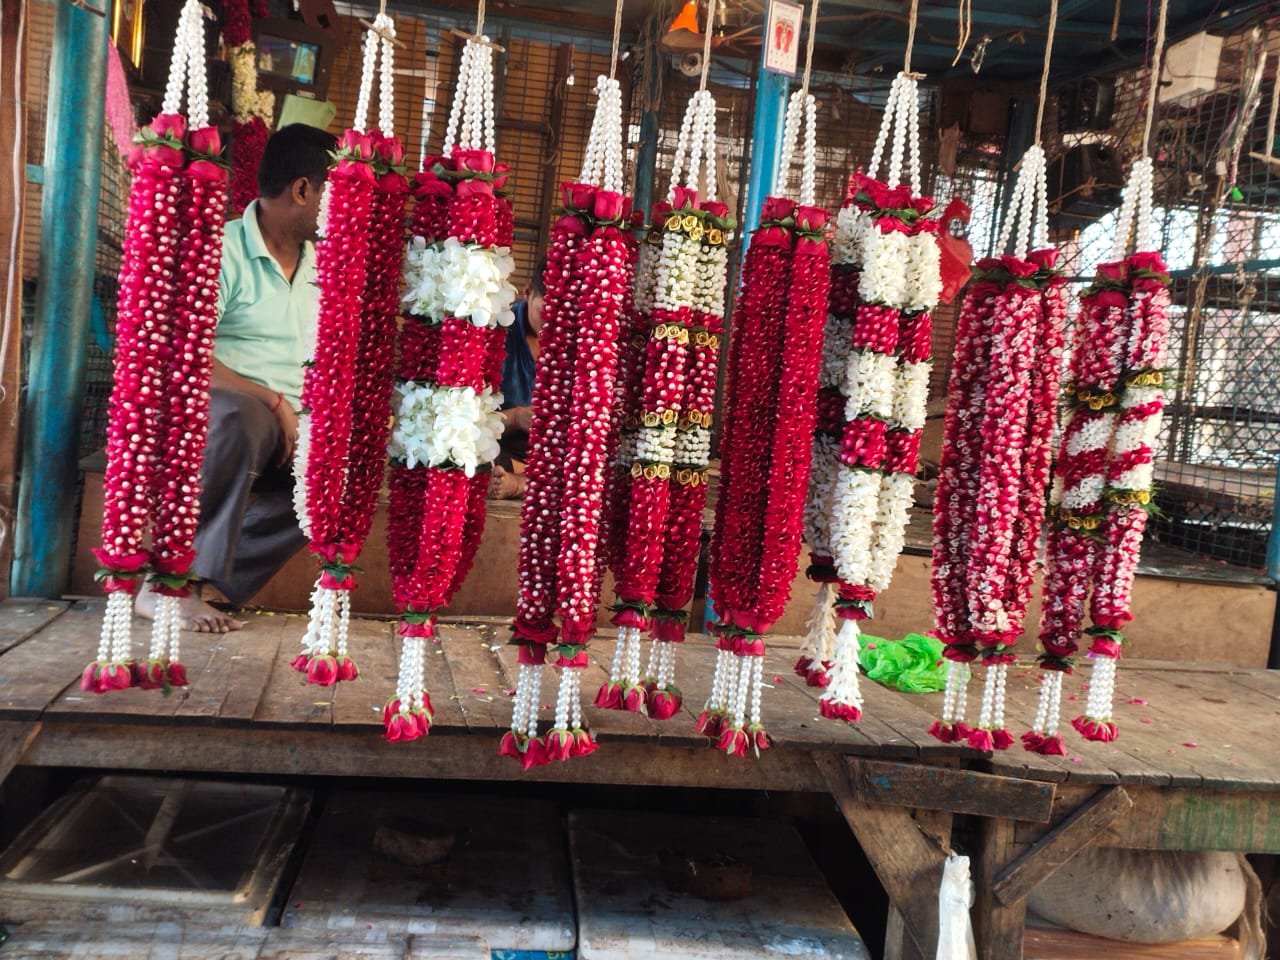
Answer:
(64, 302)
(1273, 541)
(766, 142)
(650, 130)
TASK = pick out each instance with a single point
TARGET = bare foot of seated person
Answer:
(197, 615)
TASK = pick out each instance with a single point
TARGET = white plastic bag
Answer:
(955, 897)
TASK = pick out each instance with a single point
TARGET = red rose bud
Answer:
(943, 731)
(1103, 647)
(1148, 260)
(717, 209)
(421, 721)
(1117, 272)
(169, 125)
(664, 704)
(578, 196)
(559, 745)
(834, 710)
(176, 674)
(347, 669)
(708, 724)
(534, 754)
(760, 738)
(777, 208)
(981, 739)
(819, 675)
(811, 218)
(1099, 731)
(427, 184)
(583, 743)
(475, 188)
(391, 707)
(802, 666)
(532, 654)
(608, 206)
(301, 662)
(391, 152)
(1045, 259)
(89, 678)
(401, 729)
(609, 697)
(1001, 739)
(661, 210)
(474, 161)
(733, 741)
(323, 671)
(509, 746)
(206, 142)
(633, 699)
(685, 198)
(772, 237)
(1051, 746)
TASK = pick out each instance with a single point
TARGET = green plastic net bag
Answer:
(913, 664)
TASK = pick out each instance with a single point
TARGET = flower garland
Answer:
(457, 296)
(347, 386)
(1104, 476)
(164, 356)
(876, 377)
(666, 436)
(995, 463)
(590, 265)
(252, 109)
(774, 358)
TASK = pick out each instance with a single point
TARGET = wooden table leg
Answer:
(997, 927)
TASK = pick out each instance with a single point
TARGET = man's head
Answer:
(534, 291)
(292, 174)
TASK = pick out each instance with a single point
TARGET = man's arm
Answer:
(224, 378)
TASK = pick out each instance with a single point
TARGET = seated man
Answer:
(517, 390)
(267, 307)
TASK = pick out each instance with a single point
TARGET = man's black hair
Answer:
(297, 150)
(536, 283)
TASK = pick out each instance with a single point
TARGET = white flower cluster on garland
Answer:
(445, 426)
(454, 279)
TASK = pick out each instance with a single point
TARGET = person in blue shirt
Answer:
(517, 390)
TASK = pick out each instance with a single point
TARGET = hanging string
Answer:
(911, 36)
(1154, 91)
(808, 50)
(617, 33)
(965, 28)
(706, 45)
(480, 19)
(1044, 74)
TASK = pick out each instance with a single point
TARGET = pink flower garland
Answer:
(248, 144)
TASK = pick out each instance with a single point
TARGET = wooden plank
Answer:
(287, 699)
(479, 682)
(1190, 819)
(445, 699)
(898, 944)
(23, 617)
(33, 674)
(228, 689)
(1040, 944)
(997, 926)
(320, 751)
(943, 788)
(1060, 844)
(358, 705)
(908, 865)
(15, 738)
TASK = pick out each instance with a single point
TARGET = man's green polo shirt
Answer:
(265, 323)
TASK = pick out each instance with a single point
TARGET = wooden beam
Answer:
(13, 180)
(15, 739)
(907, 864)
(945, 788)
(997, 926)
(1080, 829)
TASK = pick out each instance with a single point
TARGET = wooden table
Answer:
(1196, 766)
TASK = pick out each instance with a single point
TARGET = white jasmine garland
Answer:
(822, 481)
(437, 425)
(656, 444)
(301, 450)
(854, 501)
(911, 395)
(852, 225)
(897, 493)
(713, 278)
(924, 273)
(870, 384)
(692, 447)
(837, 348)
(884, 277)
(676, 273)
(453, 279)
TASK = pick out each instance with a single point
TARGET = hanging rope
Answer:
(617, 33)
(801, 123)
(911, 36)
(1154, 89)
(808, 50)
(706, 45)
(1044, 73)
(480, 19)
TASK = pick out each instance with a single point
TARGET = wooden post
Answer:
(997, 927)
(13, 179)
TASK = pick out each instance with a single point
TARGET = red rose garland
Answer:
(995, 464)
(252, 109)
(589, 268)
(159, 402)
(346, 389)
(1104, 478)
(458, 299)
(775, 354)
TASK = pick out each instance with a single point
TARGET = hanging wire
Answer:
(706, 45)
(1154, 90)
(964, 29)
(617, 33)
(911, 36)
(1044, 74)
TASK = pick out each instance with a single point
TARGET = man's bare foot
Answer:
(197, 615)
